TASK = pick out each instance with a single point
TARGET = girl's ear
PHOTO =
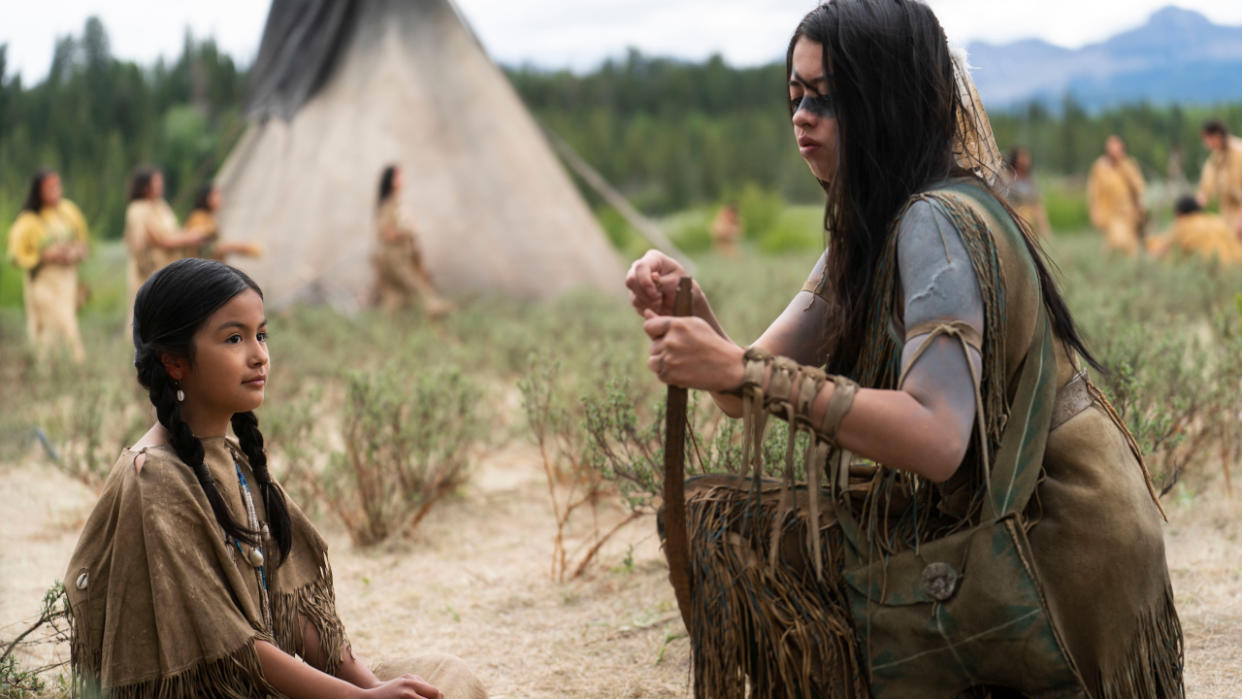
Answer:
(177, 367)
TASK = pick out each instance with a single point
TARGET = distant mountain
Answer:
(1178, 56)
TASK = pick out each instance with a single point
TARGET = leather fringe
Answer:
(1156, 658)
(316, 602)
(763, 629)
(237, 675)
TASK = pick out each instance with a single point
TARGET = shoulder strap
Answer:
(1014, 470)
(1019, 432)
(1020, 455)
(1011, 478)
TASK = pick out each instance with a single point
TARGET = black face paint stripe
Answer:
(816, 85)
(821, 106)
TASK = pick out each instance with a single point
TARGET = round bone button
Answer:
(940, 580)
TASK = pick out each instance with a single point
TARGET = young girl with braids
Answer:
(195, 575)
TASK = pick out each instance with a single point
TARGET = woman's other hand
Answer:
(688, 352)
(404, 687)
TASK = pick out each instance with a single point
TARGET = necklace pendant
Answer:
(255, 557)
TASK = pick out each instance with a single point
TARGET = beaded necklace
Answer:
(255, 557)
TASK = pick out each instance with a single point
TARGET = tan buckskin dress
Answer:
(1203, 234)
(164, 606)
(400, 276)
(1114, 198)
(1222, 177)
(1094, 523)
(50, 291)
(1096, 530)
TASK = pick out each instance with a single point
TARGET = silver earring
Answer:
(180, 394)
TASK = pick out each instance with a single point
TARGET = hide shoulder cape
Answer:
(763, 614)
(162, 605)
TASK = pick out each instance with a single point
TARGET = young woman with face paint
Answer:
(922, 309)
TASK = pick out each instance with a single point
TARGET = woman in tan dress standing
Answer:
(48, 241)
(1115, 190)
(202, 220)
(151, 231)
(399, 271)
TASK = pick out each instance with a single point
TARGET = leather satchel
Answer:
(966, 611)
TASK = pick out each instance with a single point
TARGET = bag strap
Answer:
(1020, 456)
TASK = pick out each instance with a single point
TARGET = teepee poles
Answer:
(645, 226)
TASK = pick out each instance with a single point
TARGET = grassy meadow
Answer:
(518, 442)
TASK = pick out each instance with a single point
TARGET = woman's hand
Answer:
(59, 254)
(688, 352)
(652, 282)
(404, 687)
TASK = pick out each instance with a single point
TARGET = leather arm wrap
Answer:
(776, 392)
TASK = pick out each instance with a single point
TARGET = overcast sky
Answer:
(570, 33)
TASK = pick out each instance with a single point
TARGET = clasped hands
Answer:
(685, 351)
(64, 253)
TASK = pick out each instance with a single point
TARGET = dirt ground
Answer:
(474, 581)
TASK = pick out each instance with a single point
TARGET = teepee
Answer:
(342, 88)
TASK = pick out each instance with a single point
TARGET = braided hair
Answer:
(169, 308)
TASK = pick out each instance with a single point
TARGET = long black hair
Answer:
(34, 195)
(140, 181)
(169, 309)
(898, 110)
(202, 198)
(386, 183)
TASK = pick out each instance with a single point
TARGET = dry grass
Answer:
(474, 581)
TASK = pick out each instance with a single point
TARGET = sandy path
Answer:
(474, 581)
(1204, 544)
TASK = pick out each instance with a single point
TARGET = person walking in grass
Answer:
(48, 242)
(1115, 189)
(400, 275)
(195, 575)
(152, 235)
(977, 520)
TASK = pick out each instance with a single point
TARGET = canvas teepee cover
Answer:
(342, 88)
